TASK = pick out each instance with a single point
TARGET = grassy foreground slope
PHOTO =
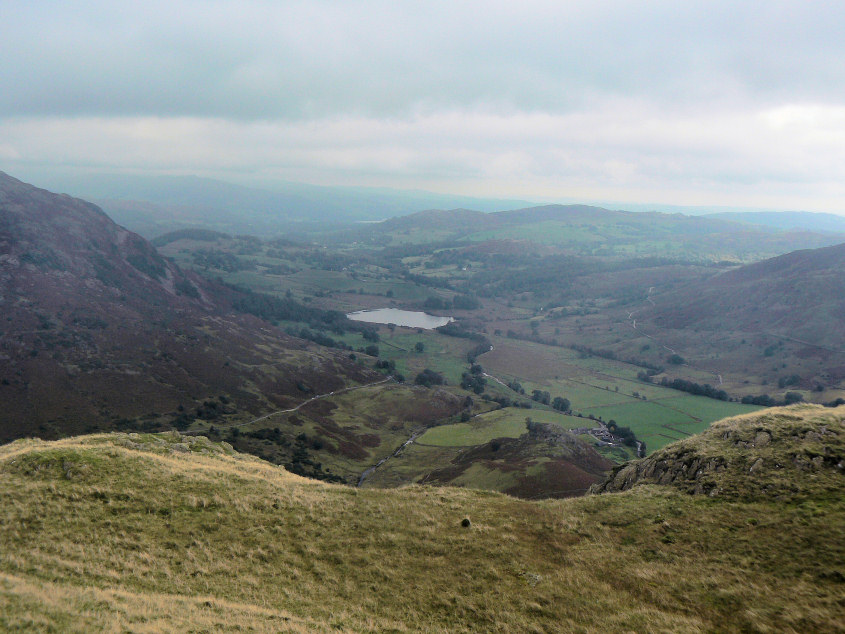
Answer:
(165, 532)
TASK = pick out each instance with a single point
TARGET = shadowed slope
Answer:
(99, 328)
(799, 295)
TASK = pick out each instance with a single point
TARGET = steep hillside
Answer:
(165, 532)
(799, 295)
(100, 331)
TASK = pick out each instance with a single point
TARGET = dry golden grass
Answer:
(159, 533)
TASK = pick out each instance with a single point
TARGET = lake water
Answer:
(407, 318)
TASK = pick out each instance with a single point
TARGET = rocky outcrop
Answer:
(779, 452)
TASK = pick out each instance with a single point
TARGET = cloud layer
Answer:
(688, 103)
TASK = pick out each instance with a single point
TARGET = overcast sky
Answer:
(679, 102)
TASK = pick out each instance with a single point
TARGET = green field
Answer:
(482, 429)
(442, 353)
(503, 423)
(605, 389)
(658, 423)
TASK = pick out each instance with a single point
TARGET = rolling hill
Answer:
(170, 532)
(586, 230)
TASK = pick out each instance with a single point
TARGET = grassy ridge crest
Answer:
(163, 532)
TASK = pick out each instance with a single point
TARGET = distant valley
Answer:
(583, 337)
(585, 352)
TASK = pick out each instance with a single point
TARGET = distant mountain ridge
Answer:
(794, 220)
(153, 205)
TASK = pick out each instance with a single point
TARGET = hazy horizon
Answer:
(704, 104)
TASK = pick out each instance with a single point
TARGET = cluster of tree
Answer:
(326, 260)
(280, 268)
(483, 343)
(274, 435)
(513, 334)
(695, 388)
(474, 379)
(505, 401)
(503, 274)
(516, 386)
(275, 309)
(425, 280)
(200, 235)
(296, 456)
(384, 364)
(248, 245)
(283, 243)
(453, 329)
(767, 401)
(477, 350)
(302, 463)
(561, 404)
(609, 354)
(220, 260)
(541, 397)
(627, 435)
(316, 337)
(507, 274)
(770, 350)
(428, 377)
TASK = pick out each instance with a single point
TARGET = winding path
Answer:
(633, 320)
(293, 409)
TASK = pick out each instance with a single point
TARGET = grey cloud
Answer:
(679, 102)
(267, 60)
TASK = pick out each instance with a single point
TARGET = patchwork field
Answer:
(608, 390)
